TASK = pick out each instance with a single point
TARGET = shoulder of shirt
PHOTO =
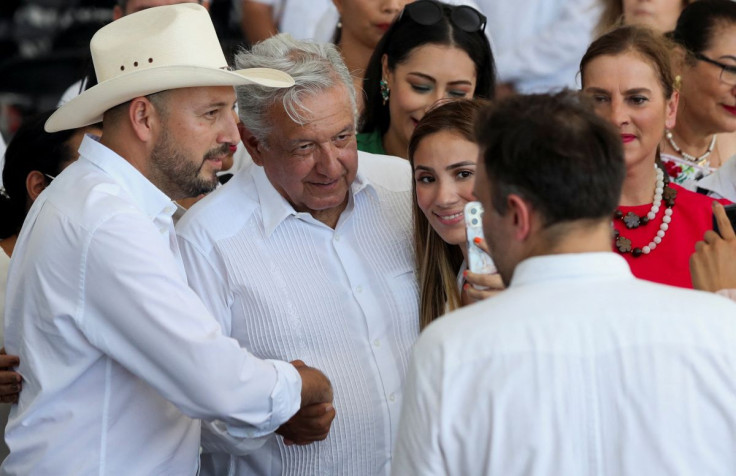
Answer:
(222, 213)
(89, 198)
(385, 171)
(515, 309)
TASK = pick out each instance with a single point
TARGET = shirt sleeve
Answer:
(418, 448)
(139, 310)
(728, 293)
(557, 47)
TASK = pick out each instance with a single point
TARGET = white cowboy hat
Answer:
(154, 50)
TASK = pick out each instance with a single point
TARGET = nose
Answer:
(446, 194)
(392, 6)
(619, 113)
(229, 133)
(328, 160)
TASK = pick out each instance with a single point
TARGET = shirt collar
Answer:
(144, 194)
(275, 208)
(602, 265)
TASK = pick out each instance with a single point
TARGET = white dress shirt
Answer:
(578, 369)
(117, 353)
(288, 287)
(538, 44)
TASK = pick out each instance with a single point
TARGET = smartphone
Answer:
(730, 213)
(478, 260)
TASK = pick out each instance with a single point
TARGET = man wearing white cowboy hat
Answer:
(119, 357)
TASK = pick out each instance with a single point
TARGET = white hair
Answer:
(315, 67)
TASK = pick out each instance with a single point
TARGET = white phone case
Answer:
(478, 260)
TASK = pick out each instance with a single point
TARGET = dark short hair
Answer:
(31, 149)
(397, 44)
(698, 22)
(554, 151)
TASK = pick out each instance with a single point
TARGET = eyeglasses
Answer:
(429, 12)
(52, 177)
(728, 72)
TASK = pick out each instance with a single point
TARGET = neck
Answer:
(395, 145)
(691, 134)
(581, 236)
(330, 216)
(356, 56)
(8, 244)
(638, 188)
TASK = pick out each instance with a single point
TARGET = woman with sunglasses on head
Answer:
(432, 51)
(627, 74)
(443, 156)
(704, 137)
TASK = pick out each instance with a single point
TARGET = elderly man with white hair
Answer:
(308, 252)
(119, 357)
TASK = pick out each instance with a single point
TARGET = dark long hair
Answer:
(397, 44)
(31, 149)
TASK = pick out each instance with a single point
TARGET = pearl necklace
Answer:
(702, 160)
(662, 191)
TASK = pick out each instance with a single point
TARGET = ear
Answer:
(671, 110)
(144, 119)
(205, 4)
(385, 70)
(522, 216)
(338, 5)
(117, 13)
(35, 183)
(252, 144)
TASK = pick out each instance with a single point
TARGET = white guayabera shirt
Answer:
(344, 300)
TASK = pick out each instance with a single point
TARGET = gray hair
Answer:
(315, 67)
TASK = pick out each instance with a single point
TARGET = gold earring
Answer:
(677, 84)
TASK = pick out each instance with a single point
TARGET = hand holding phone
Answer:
(478, 260)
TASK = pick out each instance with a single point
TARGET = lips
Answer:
(383, 26)
(449, 218)
(626, 138)
(730, 109)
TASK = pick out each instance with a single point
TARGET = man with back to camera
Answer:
(118, 354)
(308, 252)
(578, 368)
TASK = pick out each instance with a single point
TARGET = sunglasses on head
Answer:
(429, 12)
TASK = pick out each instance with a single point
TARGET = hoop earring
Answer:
(385, 91)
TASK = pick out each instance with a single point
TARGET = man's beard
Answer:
(176, 175)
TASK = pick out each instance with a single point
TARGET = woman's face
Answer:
(365, 21)
(705, 99)
(626, 91)
(660, 15)
(444, 172)
(430, 73)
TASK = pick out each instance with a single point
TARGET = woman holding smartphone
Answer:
(443, 156)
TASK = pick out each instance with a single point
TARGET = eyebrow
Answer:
(347, 128)
(728, 57)
(430, 78)
(456, 165)
(628, 91)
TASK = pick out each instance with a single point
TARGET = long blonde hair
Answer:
(437, 261)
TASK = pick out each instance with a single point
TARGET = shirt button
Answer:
(337, 237)
(359, 289)
(163, 229)
(377, 343)
(392, 397)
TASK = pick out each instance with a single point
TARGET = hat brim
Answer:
(88, 107)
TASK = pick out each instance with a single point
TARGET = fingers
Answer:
(7, 361)
(298, 364)
(484, 280)
(724, 224)
(310, 424)
(482, 244)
